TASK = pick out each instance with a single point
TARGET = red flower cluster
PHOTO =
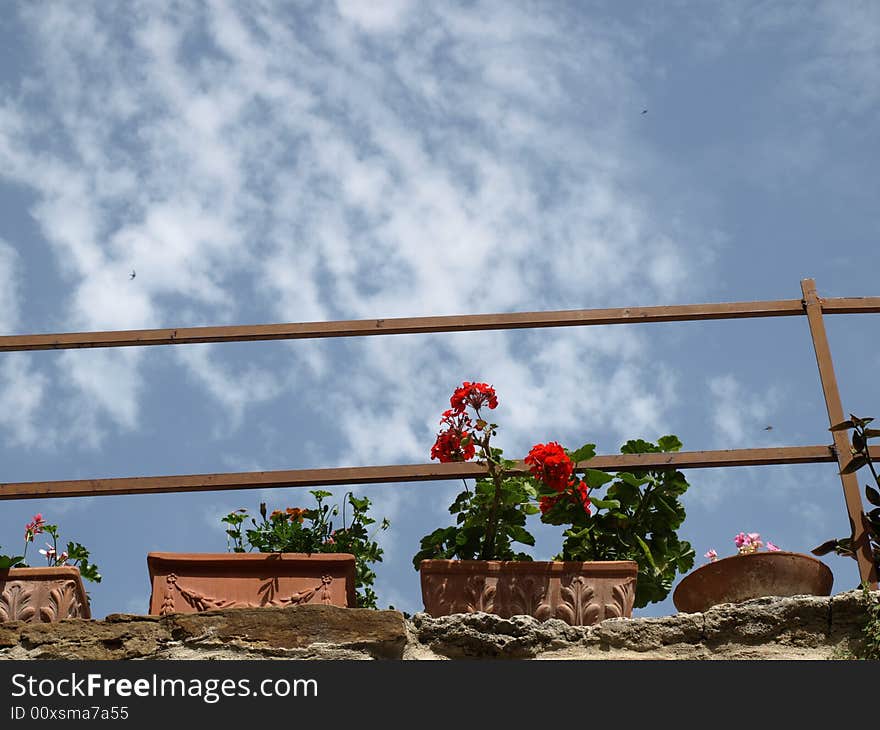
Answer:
(455, 442)
(550, 464)
(451, 446)
(475, 395)
(547, 503)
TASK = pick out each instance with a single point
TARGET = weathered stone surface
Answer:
(380, 634)
(802, 621)
(649, 634)
(485, 635)
(804, 627)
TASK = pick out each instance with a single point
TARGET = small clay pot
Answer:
(753, 575)
(42, 595)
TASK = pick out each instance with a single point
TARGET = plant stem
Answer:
(495, 471)
(866, 452)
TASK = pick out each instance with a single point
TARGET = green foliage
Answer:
(11, 561)
(79, 556)
(870, 645)
(511, 499)
(636, 518)
(861, 457)
(74, 555)
(312, 530)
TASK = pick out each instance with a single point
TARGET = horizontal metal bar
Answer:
(402, 473)
(400, 326)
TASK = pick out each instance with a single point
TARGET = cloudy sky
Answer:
(283, 162)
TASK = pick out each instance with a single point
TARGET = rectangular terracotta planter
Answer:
(579, 593)
(195, 582)
(42, 595)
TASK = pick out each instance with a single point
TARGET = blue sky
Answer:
(283, 162)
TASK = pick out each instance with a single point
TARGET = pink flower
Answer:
(740, 540)
(34, 527)
(712, 555)
(771, 547)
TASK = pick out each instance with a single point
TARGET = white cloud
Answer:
(739, 416)
(233, 390)
(9, 307)
(245, 162)
(388, 15)
(106, 382)
(22, 393)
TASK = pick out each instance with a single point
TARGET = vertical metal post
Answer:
(813, 306)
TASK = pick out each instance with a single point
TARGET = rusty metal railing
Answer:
(811, 305)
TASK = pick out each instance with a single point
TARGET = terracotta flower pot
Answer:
(741, 577)
(578, 593)
(42, 595)
(194, 582)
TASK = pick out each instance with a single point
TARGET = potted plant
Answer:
(288, 558)
(751, 573)
(629, 532)
(47, 593)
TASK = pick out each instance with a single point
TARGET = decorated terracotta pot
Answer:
(42, 595)
(195, 582)
(579, 593)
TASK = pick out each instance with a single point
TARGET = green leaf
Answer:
(632, 479)
(872, 495)
(584, 453)
(854, 465)
(638, 446)
(669, 443)
(825, 548)
(858, 443)
(595, 478)
(843, 426)
(872, 433)
(647, 551)
(605, 503)
(520, 534)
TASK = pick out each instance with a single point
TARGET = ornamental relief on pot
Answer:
(37, 601)
(574, 597)
(526, 596)
(480, 594)
(459, 594)
(62, 602)
(202, 601)
(15, 602)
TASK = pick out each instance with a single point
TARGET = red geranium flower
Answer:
(547, 503)
(453, 445)
(475, 395)
(583, 491)
(550, 464)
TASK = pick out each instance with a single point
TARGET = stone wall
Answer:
(805, 627)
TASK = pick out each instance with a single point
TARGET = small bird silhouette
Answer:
(644, 111)
(132, 275)
(768, 428)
